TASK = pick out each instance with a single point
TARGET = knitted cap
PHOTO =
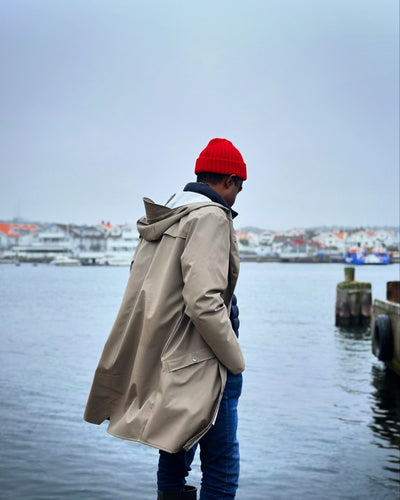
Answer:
(221, 157)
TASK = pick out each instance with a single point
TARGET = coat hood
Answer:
(159, 218)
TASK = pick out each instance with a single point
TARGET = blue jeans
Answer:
(219, 453)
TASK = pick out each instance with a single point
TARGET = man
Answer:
(170, 372)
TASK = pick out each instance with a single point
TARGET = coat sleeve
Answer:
(205, 267)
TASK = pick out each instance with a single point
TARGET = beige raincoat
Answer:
(162, 373)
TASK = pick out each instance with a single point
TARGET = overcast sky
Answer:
(105, 102)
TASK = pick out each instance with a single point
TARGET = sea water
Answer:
(319, 417)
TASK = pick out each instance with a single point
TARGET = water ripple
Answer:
(319, 417)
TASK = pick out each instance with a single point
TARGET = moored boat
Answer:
(65, 260)
(116, 259)
(361, 256)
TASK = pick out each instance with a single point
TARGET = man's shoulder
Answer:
(210, 209)
(211, 212)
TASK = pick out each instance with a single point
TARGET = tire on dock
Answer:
(383, 338)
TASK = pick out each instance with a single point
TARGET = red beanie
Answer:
(221, 157)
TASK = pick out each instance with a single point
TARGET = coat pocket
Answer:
(177, 362)
(184, 347)
(186, 400)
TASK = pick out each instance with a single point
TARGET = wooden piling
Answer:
(353, 301)
(393, 291)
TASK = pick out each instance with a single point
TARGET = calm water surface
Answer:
(319, 415)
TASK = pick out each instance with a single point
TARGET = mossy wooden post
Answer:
(349, 274)
(353, 301)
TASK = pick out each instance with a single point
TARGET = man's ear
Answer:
(228, 181)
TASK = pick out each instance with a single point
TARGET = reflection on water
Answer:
(386, 416)
(315, 422)
(384, 398)
(355, 333)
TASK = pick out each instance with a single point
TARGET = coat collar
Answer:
(206, 190)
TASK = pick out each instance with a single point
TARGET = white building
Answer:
(248, 243)
(121, 243)
(332, 240)
(362, 239)
(12, 234)
(42, 246)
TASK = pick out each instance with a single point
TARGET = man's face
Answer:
(234, 186)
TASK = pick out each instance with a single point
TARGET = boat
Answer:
(37, 252)
(116, 259)
(65, 260)
(378, 257)
(358, 256)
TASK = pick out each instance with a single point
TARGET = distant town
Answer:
(114, 244)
